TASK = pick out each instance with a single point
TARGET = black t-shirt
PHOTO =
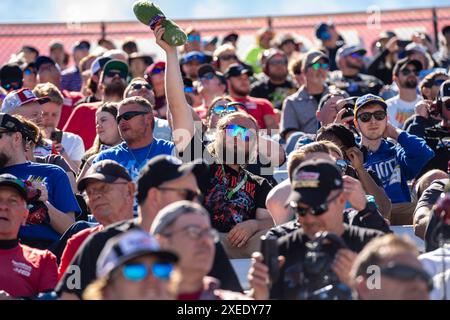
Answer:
(239, 206)
(87, 255)
(275, 93)
(293, 248)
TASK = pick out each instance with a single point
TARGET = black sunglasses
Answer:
(404, 272)
(139, 86)
(189, 195)
(315, 211)
(227, 57)
(407, 72)
(130, 115)
(112, 74)
(378, 115)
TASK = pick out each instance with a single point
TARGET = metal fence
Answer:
(362, 27)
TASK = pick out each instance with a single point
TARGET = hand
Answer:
(44, 192)
(239, 235)
(159, 32)
(258, 276)
(391, 132)
(342, 265)
(392, 45)
(59, 147)
(355, 193)
(345, 121)
(356, 157)
(422, 108)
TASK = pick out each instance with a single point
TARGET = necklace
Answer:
(138, 164)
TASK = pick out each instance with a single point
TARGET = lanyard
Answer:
(231, 193)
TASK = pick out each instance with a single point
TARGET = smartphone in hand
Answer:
(56, 136)
(269, 250)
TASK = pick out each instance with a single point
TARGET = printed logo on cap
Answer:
(307, 180)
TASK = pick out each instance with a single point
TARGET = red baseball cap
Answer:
(21, 97)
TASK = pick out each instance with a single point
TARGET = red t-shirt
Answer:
(72, 246)
(82, 123)
(258, 108)
(70, 99)
(26, 272)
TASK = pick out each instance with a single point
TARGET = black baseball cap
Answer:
(165, 168)
(231, 37)
(208, 68)
(313, 181)
(368, 99)
(445, 29)
(106, 171)
(9, 123)
(402, 63)
(8, 180)
(11, 74)
(236, 70)
(444, 92)
(43, 60)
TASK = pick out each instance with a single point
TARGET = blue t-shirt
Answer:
(395, 164)
(135, 159)
(60, 194)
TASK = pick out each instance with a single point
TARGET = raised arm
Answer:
(181, 112)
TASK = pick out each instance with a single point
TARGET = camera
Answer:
(313, 278)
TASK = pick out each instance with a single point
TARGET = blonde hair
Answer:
(49, 90)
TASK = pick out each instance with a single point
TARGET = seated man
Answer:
(55, 206)
(132, 266)
(401, 276)
(394, 164)
(26, 271)
(184, 227)
(319, 194)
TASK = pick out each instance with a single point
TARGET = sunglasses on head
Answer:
(407, 72)
(234, 130)
(158, 71)
(218, 110)
(137, 272)
(316, 66)
(139, 86)
(227, 57)
(404, 272)
(130, 115)
(378, 115)
(112, 74)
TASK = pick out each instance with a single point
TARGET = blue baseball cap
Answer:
(194, 56)
(369, 99)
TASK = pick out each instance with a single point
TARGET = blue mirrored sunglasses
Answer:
(221, 109)
(234, 130)
(138, 271)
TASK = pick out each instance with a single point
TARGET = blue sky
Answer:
(19, 11)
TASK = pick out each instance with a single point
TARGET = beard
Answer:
(278, 77)
(116, 88)
(241, 91)
(409, 83)
(4, 159)
(355, 65)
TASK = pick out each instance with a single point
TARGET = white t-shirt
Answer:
(74, 146)
(432, 263)
(399, 110)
